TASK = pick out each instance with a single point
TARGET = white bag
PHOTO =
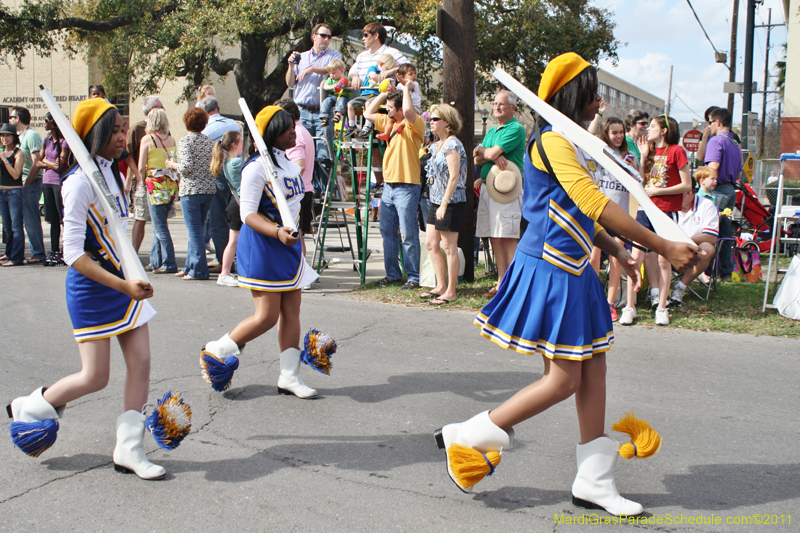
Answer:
(787, 299)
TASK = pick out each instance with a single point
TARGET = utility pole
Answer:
(456, 25)
(766, 85)
(669, 93)
(734, 30)
(747, 94)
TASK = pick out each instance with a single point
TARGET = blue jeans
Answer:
(217, 222)
(162, 254)
(310, 120)
(195, 209)
(33, 219)
(399, 203)
(11, 212)
(333, 103)
(726, 197)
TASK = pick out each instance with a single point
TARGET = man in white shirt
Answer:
(374, 39)
(699, 219)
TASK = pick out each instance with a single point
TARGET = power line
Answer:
(698, 115)
(704, 30)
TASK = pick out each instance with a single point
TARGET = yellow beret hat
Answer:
(88, 113)
(558, 72)
(264, 116)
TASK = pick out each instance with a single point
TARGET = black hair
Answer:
(23, 114)
(396, 97)
(723, 115)
(54, 129)
(97, 87)
(280, 123)
(99, 137)
(289, 105)
(708, 112)
(575, 95)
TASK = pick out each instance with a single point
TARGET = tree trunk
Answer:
(458, 72)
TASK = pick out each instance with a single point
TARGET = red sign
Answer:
(691, 140)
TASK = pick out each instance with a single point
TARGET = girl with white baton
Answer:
(270, 261)
(101, 302)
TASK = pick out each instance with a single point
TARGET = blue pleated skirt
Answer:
(99, 312)
(543, 309)
(266, 264)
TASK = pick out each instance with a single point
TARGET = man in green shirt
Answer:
(636, 123)
(503, 143)
(30, 144)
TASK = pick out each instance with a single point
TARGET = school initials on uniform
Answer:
(293, 186)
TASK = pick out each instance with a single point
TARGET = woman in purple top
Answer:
(54, 155)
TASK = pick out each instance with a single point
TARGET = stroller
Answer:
(754, 234)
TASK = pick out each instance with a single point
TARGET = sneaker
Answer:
(654, 302)
(676, 298)
(410, 285)
(662, 317)
(628, 316)
(227, 281)
(385, 282)
(352, 130)
(613, 310)
(365, 131)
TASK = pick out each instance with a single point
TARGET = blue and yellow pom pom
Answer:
(645, 441)
(170, 421)
(216, 372)
(318, 350)
(470, 466)
(34, 438)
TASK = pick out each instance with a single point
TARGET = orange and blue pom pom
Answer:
(318, 350)
(170, 421)
(34, 438)
(216, 372)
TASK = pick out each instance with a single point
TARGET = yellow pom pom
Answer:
(385, 86)
(470, 466)
(645, 441)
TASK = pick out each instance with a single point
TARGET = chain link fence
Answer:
(765, 181)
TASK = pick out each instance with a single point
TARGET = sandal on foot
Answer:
(428, 295)
(441, 301)
(33, 261)
(323, 122)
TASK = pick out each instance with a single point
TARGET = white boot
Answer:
(224, 347)
(290, 381)
(594, 486)
(33, 408)
(478, 433)
(129, 454)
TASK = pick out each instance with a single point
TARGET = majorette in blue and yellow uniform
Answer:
(551, 301)
(96, 311)
(265, 263)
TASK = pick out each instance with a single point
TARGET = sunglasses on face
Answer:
(366, 34)
(642, 123)
(436, 119)
(325, 35)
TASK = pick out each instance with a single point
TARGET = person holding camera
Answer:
(306, 73)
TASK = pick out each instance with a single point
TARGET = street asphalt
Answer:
(362, 457)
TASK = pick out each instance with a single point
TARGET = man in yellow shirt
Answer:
(401, 189)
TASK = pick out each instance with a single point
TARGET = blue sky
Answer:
(660, 33)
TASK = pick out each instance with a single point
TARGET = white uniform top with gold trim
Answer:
(97, 311)
(265, 263)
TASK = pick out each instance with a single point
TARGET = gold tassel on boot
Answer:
(470, 466)
(645, 441)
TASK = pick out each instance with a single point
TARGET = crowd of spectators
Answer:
(202, 170)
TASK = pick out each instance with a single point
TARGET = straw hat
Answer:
(504, 186)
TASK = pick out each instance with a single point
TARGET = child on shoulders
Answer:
(369, 90)
(406, 73)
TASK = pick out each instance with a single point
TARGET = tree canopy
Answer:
(142, 43)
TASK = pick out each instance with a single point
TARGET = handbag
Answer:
(162, 187)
